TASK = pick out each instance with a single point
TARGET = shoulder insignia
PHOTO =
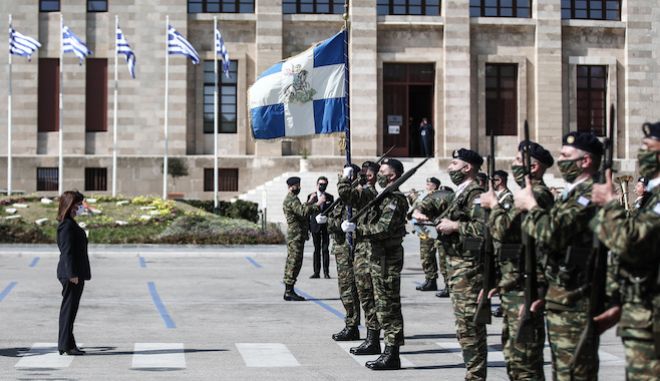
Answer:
(656, 209)
(583, 201)
(477, 201)
(507, 206)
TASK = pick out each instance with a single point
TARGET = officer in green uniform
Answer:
(297, 219)
(524, 361)
(385, 228)
(636, 240)
(427, 247)
(564, 235)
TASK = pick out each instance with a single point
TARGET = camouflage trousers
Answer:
(386, 266)
(564, 330)
(427, 256)
(465, 282)
(442, 263)
(346, 280)
(363, 281)
(641, 363)
(294, 259)
(636, 331)
(523, 361)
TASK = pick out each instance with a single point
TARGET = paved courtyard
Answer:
(206, 313)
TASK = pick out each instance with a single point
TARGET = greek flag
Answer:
(221, 50)
(21, 45)
(179, 45)
(303, 95)
(124, 48)
(72, 44)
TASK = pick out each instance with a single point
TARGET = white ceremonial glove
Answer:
(321, 219)
(348, 172)
(348, 227)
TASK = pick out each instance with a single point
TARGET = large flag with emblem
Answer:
(302, 95)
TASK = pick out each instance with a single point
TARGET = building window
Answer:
(501, 99)
(47, 179)
(591, 97)
(408, 7)
(591, 9)
(220, 6)
(227, 97)
(48, 95)
(313, 6)
(97, 5)
(227, 179)
(49, 5)
(96, 179)
(500, 8)
(96, 95)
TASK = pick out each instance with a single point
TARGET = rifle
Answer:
(596, 272)
(526, 329)
(353, 184)
(389, 189)
(483, 315)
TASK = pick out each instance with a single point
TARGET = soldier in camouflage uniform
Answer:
(563, 234)
(427, 247)
(636, 239)
(297, 219)
(345, 273)
(385, 228)
(358, 197)
(462, 227)
(505, 200)
(524, 361)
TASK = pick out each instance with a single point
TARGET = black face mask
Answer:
(323, 187)
(296, 191)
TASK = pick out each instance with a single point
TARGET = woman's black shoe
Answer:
(73, 352)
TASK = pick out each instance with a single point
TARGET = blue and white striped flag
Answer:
(221, 50)
(124, 48)
(21, 45)
(177, 44)
(72, 44)
(303, 95)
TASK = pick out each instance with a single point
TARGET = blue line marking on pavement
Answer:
(254, 262)
(143, 264)
(169, 323)
(321, 303)
(7, 290)
(34, 262)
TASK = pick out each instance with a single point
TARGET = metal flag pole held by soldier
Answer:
(347, 109)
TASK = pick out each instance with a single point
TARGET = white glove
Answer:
(348, 227)
(321, 219)
(348, 172)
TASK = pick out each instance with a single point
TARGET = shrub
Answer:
(22, 232)
(246, 210)
(198, 229)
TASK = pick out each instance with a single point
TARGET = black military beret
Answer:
(652, 130)
(501, 174)
(538, 152)
(446, 189)
(395, 164)
(356, 169)
(482, 177)
(643, 180)
(434, 181)
(293, 180)
(585, 141)
(468, 156)
(373, 167)
(367, 164)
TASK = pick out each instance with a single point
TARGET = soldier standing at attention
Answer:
(297, 219)
(505, 200)
(563, 233)
(524, 361)
(636, 239)
(385, 228)
(427, 246)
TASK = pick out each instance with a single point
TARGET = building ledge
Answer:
(304, 17)
(594, 24)
(222, 16)
(505, 21)
(411, 21)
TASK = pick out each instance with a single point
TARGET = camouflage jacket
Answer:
(297, 216)
(356, 197)
(338, 215)
(505, 227)
(387, 224)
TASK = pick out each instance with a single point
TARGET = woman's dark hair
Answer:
(67, 200)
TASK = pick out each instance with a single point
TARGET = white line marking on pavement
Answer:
(347, 345)
(44, 356)
(158, 356)
(262, 355)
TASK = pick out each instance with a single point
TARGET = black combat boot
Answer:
(444, 293)
(429, 285)
(370, 346)
(389, 360)
(498, 312)
(290, 295)
(347, 334)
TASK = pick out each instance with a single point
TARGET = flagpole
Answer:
(167, 86)
(347, 107)
(114, 118)
(9, 121)
(215, 114)
(60, 167)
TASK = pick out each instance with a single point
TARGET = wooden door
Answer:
(395, 119)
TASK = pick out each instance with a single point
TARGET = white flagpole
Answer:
(60, 167)
(167, 79)
(9, 105)
(114, 119)
(215, 114)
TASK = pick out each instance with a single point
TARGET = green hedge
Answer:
(246, 210)
(17, 231)
(196, 229)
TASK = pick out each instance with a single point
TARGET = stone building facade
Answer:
(547, 49)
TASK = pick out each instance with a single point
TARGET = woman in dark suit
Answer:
(73, 268)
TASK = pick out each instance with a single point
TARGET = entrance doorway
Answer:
(407, 99)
